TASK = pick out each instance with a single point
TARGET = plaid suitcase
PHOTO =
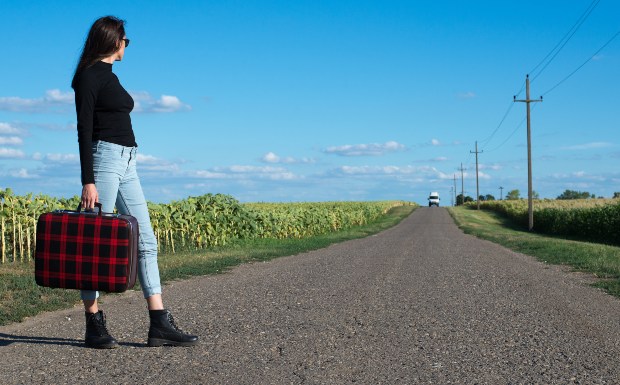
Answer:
(86, 250)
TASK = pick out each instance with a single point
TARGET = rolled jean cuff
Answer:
(89, 295)
(148, 292)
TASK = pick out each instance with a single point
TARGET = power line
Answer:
(511, 134)
(545, 62)
(555, 49)
(565, 39)
(488, 139)
(578, 23)
(467, 161)
(583, 64)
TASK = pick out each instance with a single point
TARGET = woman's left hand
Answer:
(89, 196)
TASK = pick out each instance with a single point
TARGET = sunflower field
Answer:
(194, 223)
(595, 220)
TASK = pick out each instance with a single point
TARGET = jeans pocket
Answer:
(107, 160)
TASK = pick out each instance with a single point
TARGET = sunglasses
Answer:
(126, 42)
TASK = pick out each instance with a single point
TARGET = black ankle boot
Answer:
(164, 331)
(97, 335)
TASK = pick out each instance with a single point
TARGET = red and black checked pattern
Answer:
(86, 251)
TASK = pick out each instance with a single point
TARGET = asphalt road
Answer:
(421, 303)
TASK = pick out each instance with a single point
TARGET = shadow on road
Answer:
(8, 339)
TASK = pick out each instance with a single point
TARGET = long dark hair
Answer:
(103, 40)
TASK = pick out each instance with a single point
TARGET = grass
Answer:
(601, 260)
(20, 297)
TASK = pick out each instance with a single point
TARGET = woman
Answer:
(108, 160)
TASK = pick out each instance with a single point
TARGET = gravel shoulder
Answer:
(420, 303)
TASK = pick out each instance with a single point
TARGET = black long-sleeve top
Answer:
(103, 107)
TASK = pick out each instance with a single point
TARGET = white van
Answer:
(433, 199)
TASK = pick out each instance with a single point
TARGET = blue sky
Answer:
(324, 100)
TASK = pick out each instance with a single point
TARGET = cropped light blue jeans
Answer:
(118, 184)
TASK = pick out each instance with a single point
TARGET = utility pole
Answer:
(527, 101)
(451, 196)
(462, 186)
(501, 193)
(455, 201)
(477, 185)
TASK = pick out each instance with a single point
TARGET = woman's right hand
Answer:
(89, 196)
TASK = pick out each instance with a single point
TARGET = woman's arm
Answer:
(86, 91)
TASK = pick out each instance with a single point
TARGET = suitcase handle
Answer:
(97, 205)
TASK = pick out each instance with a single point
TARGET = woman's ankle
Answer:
(91, 306)
(155, 302)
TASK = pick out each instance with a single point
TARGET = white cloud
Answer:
(152, 163)
(482, 175)
(580, 185)
(23, 129)
(373, 149)
(147, 159)
(56, 96)
(373, 170)
(282, 176)
(7, 129)
(380, 171)
(11, 153)
(167, 103)
(12, 103)
(417, 174)
(56, 101)
(144, 102)
(271, 157)
(205, 174)
(58, 158)
(53, 101)
(589, 146)
(494, 167)
(437, 143)
(578, 175)
(11, 140)
(243, 172)
(466, 95)
(432, 160)
(22, 173)
(53, 126)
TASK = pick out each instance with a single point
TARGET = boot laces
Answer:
(99, 324)
(173, 324)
